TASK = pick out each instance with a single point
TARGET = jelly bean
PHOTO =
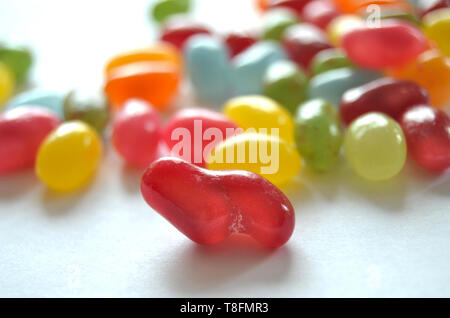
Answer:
(163, 9)
(136, 133)
(200, 130)
(296, 5)
(386, 95)
(178, 31)
(260, 112)
(375, 147)
(427, 132)
(318, 134)
(276, 21)
(330, 59)
(286, 83)
(430, 70)
(69, 156)
(91, 108)
(319, 13)
(437, 27)
(391, 44)
(341, 25)
(207, 61)
(427, 6)
(7, 84)
(263, 5)
(209, 206)
(267, 155)
(352, 6)
(18, 60)
(251, 65)
(331, 85)
(51, 100)
(238, 42)
(303, 41)
(22, 131)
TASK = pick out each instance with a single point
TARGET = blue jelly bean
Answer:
(251, 65)
(331, 85)
(51, 100)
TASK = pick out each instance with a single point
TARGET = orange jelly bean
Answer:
(353, 6)
(151, 74)
(431, 70)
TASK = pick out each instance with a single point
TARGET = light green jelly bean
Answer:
(318, 134)
(330, 59)
(276, 21)
(18, 60)
(163, 9)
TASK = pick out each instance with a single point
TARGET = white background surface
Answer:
(352, 238)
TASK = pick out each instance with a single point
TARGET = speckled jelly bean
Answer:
(341, 25)
(177, 31)
(260, 112)
(7, 84)
(331, 85)
(330, 59)
(69, 157)
(251, 65)
(51, 100)
(319, 13)
(391, 44)
(163, 9)
(208, 206)
(427, 132)
(276, 21)
(286, 83)
(22, 131)
(375, 147)
(386, 95)
(238, 42)
(437, 26)
(318, 134)
(18, 60)
(136, 133)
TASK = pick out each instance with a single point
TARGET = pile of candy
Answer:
(370, 77)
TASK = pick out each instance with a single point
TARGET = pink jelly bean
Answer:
(427, 132)
(179, 30)
(238, 42)
(303, 41)
(22, 131)
(208, 206)
(191, 133)
(319, 13)
(295, 5)
(392, 44)
(136, 132)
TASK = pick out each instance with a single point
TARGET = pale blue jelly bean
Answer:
(208, 66)
(251, 65)
(51, 100)
(331, 85)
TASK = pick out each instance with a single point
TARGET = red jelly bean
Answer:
(385, 95)
(238, 42)
(391, 44)
(427, 6)
(303, 41)
(136, 132)
(196, 130)
(319, 13)
(208, 206)
(22, 131)
(178, 30)
(294, 5)
(427, 132)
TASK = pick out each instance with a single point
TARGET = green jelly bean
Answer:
(318, 134)
(276, 21)
(330, 59)
(93, 109)
(286, 83)
(400, 15)
(163, 9)
(18, 60)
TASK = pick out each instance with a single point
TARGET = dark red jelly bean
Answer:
(427, 6)
(427, 132)
(319, 13)
(303, 41)
(295, 5)
(178, 30)
(385, 95)
(238, 42)
(208, 206)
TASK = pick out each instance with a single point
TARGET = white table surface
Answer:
(352, 237)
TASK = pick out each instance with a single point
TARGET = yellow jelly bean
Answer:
(259, 112)
(269, 156)
(69, 156)
(341, 25)
(437, 27)
(7, 84)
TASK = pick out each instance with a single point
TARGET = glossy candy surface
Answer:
(260, 112)
(163, 9)
(238, 42)
(319, 13)
(271, 157)
(426, 6)
(295, 5)
(22, 131)
(437, 27)
(427, 132)
(18, 60)
(341, 25)
(353, 6)
(286, 83)
(375, 147)
(330, 59)
(192, 134)
(7, 84)
(136, 133)
(318, 134)
(53, 101)
(386, 95)
(208, 206)
(69, 156)
(178, 31)
(276, 21)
